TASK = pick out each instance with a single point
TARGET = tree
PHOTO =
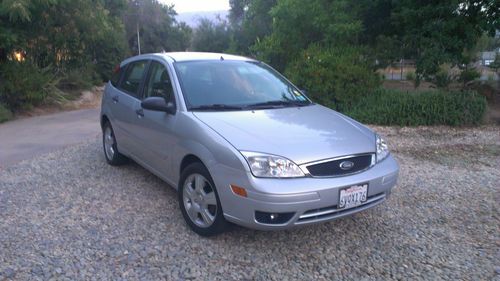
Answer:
(58, 39)
(250, 21)
(438, 32)
(317, 44)
(159, 31)
(297, 24)
(495, 65)
(211, 36)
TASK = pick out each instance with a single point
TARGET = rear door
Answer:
(126, 104)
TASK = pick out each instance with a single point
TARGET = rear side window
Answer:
(132, 77)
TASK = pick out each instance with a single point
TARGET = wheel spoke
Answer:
(209, 198)
(207, 217)
(193, 213)
(199, 183)
(189, 191)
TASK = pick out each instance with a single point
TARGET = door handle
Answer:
(140, 113)
(115, 99)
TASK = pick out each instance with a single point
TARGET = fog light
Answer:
(272, 218)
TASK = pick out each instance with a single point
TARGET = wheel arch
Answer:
(104, 120)
(188, 160)
(189, 152)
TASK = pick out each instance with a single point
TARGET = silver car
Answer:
(240, 143)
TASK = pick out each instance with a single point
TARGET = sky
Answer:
(184, 6)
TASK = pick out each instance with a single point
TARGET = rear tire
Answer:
(111, 153)
(199, 201)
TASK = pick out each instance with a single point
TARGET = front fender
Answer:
(207, 145)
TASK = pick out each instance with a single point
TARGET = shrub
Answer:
(442, 79)
(77, 79)
(468, 75)
(391, 107)
(410, 76)
(5, 114)
(23, 85)
(491, 77)
(338, 74)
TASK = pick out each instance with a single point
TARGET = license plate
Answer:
(353, 196)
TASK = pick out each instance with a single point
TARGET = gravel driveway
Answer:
(68, 215)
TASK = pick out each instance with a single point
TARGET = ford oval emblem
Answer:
(346, 165)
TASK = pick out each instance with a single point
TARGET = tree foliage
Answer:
(74, 43)
(298, 24)
(250, 21)
(338, 74)
(432, 33)
(159, 30)
(211, 36)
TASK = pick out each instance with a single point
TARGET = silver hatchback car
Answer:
(241, 143)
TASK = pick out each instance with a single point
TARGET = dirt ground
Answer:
(88, 99)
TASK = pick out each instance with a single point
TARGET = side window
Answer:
(117, 73)
(158, 83)
(132, 77)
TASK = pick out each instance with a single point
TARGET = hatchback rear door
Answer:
(126, 105)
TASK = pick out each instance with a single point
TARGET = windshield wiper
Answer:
(277, 103)
(217, 106)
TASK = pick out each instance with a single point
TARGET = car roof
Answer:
(189, 56)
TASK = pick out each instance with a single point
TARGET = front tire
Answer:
(111, 153)
(199, 201)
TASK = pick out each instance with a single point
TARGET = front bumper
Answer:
(311, 200)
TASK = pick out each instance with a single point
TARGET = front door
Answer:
(156, 132)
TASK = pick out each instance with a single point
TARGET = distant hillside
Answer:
(192, 18)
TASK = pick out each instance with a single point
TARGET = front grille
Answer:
(334, 168)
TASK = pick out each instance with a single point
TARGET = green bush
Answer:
(468, 75)
(338, 74)
(77, 79)
(23, 85)
(5, 114)
(391, 107)
(410, 76)
(442, 79)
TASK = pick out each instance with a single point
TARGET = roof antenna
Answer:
(221, 58)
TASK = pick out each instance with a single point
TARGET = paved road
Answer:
(29, 137)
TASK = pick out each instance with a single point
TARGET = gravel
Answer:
(68, 215)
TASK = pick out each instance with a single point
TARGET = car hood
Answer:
(301, 134)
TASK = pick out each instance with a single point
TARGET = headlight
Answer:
(382, 150)
(271, 166)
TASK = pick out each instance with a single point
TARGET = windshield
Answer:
(235, 85)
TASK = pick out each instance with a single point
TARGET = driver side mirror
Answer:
(158, 104)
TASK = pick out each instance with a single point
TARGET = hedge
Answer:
(392, 107)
